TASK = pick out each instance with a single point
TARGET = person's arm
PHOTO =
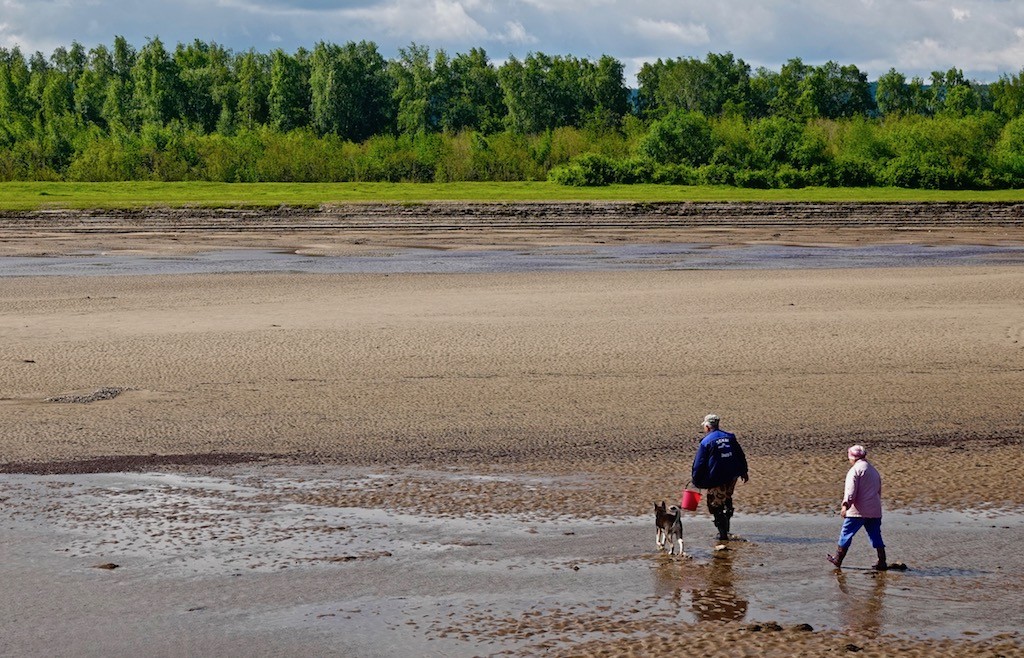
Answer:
(698, 474)
(744, 473)
(850, 491)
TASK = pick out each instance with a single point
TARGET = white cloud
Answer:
(960, 15)
(932, 55)
(921, 54)
(514, 33)
(439, 20)
(686, 33)
(568, 6)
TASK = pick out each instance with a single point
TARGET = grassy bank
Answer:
(41, 195)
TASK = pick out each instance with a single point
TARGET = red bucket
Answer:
(690, 500)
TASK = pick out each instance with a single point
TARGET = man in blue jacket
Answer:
(716, 467)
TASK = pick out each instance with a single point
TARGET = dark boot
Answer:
(882, 564)
(837, 559)
(722, 523)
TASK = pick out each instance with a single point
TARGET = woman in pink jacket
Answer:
(862, 507)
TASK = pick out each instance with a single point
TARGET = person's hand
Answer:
(745, 478)
(842, 512)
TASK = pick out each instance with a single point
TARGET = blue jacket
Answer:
(719, 460)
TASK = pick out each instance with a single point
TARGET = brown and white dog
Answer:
(669, 522)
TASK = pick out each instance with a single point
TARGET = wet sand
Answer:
(281, 560)
(512, 382)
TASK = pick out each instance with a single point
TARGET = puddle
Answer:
(373, 578)
(563, 258)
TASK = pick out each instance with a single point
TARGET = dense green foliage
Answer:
(345, 113)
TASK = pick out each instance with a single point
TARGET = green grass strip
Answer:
(44, 195)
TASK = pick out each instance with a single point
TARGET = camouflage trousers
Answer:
(720, 498)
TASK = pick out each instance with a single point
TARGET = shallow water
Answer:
(564, 258)
(239, 551)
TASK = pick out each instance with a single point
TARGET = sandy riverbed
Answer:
(507, 378)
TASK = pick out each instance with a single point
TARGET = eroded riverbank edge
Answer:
(357, 227)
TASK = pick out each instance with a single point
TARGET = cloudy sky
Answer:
(985, 38)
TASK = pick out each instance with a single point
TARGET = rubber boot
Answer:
(837, 559)
(882, 564)
(722, 523)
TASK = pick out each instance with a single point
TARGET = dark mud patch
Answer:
(105, 393)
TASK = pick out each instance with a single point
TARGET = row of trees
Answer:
(205, 112)
(349, 91)
(723, 85)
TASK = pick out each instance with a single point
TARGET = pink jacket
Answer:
(863, 491)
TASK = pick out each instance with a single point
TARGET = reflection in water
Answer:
(669, 577)
(713, 595)
(861, 610)
(718, 599)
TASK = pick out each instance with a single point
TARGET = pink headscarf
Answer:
(857, 452)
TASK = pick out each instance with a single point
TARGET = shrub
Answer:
(675, 175)
(455, 161)
(634, 170)
(776, 140)
(598, 169)
(900, 172)
(571, 175)
(221, 161)
(590, 169)
(297, 156)
(102, 158)
(851, 171)
(7, 170)
(716, 174)
(754, 178)
(1008, 154)
(680, 138)
(732, 142)
(507, 158)
(788, 177)
(821, 175)
(563, 145)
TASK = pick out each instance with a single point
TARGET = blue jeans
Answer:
(852, 524)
